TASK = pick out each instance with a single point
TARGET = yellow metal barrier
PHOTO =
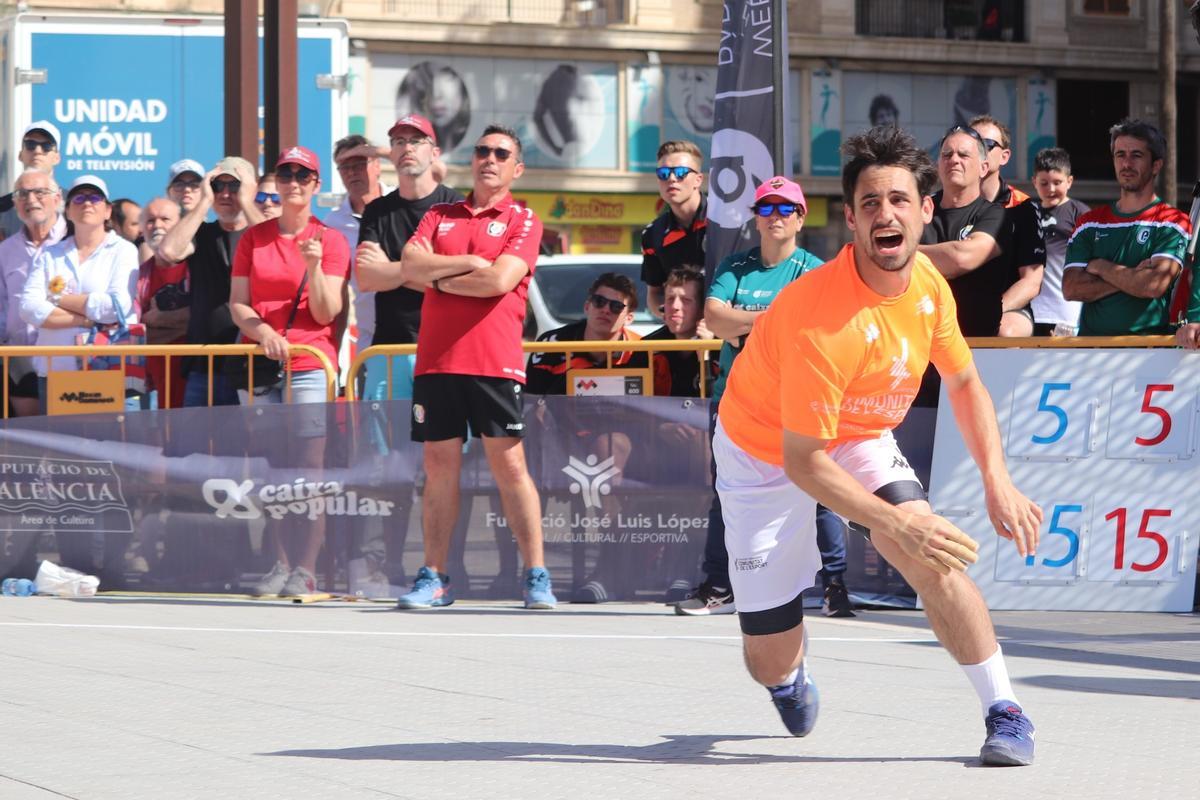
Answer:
(707, 346)
(169, 351)
(703, 346)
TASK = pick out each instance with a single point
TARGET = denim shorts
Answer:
(308, 388)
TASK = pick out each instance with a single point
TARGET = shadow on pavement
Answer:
(1144, 687)
(694, 750)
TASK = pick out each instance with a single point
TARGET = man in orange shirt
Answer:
(807, 418)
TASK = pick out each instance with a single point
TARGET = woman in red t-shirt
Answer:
(272, 260)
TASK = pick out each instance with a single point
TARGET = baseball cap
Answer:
(300, 156)
(229, 166)
(184, 165)
(46, 127)
(94, 181)
(417, 122)
(782, 188)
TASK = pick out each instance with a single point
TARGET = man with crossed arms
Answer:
(807, 418)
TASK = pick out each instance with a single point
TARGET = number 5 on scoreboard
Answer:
(1057, 560)
(1051, 420)
(1150, 420)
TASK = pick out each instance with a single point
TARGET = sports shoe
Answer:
(538, 593)
(705, 600)
(301, 581)
(1009, 741)
(797, 703)
(837, 601)
(678, 591)
(272, 583)
(430, 590)
(590, 592)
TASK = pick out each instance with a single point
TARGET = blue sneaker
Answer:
(797, 704)
(430, 590)
(538, 593)
(1009, 740)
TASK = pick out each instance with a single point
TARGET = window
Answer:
(1086, 110)
(1111, 7)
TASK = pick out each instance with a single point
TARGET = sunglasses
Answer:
(33, 145)
(974, 134)
(301, 175)
(186, 183)
(600, 302)
(680, 173)
(482, 151)
(767, 209)
(353, 165)
(88, 197)
(230, 186)
(263, 197)
(990, 144)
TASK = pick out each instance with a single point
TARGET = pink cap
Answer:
(300, 156)
(416, 122)
(782, 188)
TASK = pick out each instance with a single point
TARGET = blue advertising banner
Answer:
(129, 132)
(209, 500)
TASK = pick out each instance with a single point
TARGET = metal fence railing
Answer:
(206, 353)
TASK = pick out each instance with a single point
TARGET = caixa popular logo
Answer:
(591, 478)
(312, 499)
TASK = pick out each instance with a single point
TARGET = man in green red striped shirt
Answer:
(1124, 259)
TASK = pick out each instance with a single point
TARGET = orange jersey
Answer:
(832, 359)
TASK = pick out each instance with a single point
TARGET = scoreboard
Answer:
(1105, 442)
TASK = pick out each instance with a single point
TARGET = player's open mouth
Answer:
(889, 241)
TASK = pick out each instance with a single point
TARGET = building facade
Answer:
(593, 86)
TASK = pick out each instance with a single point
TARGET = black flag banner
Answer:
(748, 143)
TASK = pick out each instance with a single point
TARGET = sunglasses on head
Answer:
(680, 172)
(32, 145)
(600, 302)
(87, 197)
(767, 209)
(186, 183)
(263, 197)
(482, 151)
(299, 175)
(974, 134)
(230, 186)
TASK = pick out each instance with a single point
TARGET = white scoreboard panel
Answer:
(1105, 442)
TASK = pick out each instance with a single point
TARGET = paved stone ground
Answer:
(160, 698)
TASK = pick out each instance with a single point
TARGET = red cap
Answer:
(417, 122)
(782, 188)
(301, 156)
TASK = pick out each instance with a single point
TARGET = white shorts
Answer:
(770, 523)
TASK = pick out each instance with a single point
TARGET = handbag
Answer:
(267, 371)
(119, 333)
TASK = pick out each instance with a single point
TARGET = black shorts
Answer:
(26, 387)
(457, 406)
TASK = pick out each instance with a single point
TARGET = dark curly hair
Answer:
(885, 146)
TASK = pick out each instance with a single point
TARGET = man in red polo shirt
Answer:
(476, 258)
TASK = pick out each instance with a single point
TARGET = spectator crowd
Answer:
(227, 255)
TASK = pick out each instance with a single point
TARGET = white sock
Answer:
(990, 680)
(790, 679)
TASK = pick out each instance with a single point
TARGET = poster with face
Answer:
(644, 107)
(926, 105)
(565, 113)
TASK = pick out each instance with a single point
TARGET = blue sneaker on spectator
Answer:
(1009, 740)
(538, 593)
(430, 590)
(797, 704)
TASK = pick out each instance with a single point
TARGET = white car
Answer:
(560, 287)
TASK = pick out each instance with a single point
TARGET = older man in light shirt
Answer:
(37, 200)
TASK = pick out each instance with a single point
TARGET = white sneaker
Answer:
(272, 583)
(301, 581)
